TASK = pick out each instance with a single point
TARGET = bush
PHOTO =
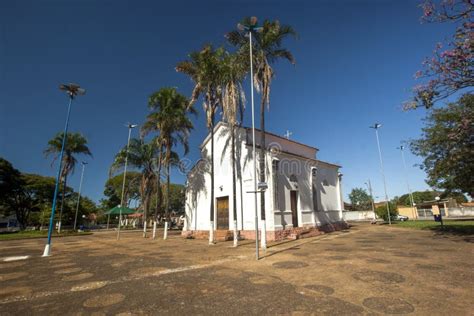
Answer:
(381, 211)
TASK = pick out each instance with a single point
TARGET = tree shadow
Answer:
(196, 185)
(456, 230)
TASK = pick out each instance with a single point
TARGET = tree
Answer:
(23, 194)
(267, 50)
(451, 68)
(76, 144)
(233, 100)
(381, 211)
(205, 70)
(447, 146)
(360, 200)
(141, 155)
(424, 196)
(177, 197)
(11, 183)
(171, 120)
(113, 188)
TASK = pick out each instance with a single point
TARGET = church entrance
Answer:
(223, 212)
(294, 207)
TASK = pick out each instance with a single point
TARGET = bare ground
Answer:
(367, 270)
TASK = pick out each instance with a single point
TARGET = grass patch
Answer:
(38, 234)
(461, 227)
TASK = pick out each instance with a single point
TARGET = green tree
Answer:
(360, 200)
(268, 48)
(113, 188)
(233, 101)
(24, 194)
(424, 196)
(11, 183)
(381, 211)
(170, 119)
(141, 155)
(177, 197)
(205, 68)
(447, 146)
(76, 144)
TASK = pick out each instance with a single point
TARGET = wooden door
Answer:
(294, 207)
(223, 212)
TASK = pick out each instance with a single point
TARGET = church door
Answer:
(294, 207)
(223, 212)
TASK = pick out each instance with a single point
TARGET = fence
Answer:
(358, 215)
(461, 211)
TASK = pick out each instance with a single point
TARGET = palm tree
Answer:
(141, 155)
(267, 50)
(233, 100)
(170, 119)
(205, 70)
(76, 144)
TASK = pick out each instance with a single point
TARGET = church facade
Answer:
(303, 195)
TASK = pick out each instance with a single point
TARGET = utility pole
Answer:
(79, 193)
(376, 128)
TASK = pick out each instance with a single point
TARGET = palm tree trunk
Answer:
(158, 196)
(263, 236)
(211, 224)
(234, 194)
(62, 204)
(167, 210)
(145, 211)
(145, 204)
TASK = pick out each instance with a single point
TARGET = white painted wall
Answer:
(198, 193)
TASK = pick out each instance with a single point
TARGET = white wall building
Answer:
(303, 196)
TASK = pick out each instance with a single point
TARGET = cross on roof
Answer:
(288, 134)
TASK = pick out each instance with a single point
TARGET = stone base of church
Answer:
(276, 235)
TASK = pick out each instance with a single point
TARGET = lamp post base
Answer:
(47, 250)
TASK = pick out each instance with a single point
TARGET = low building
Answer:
(303, 196)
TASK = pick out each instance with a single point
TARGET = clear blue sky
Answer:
(355, 65)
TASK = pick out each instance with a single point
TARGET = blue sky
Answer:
(355, 66)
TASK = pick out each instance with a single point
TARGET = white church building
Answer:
(303, 197)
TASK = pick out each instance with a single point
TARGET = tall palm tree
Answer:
(171, 120)
(268, 48)
(204, 67)
(141, 156)
(233, 99)
(76, 144)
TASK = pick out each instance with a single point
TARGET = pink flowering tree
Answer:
(450, 69)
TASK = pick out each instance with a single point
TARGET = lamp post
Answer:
(250, 29)
(72, 90)
(376, 127)
(79, 193)
(130, 127)
(412, 202)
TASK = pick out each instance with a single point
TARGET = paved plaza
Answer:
(366, 270)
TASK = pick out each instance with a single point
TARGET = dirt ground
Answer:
(367, 270)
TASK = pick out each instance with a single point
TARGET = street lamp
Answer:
(376, 127)
(412, 201)
(130, 127)
(79, 193)
(72, 90)
(250, 29)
